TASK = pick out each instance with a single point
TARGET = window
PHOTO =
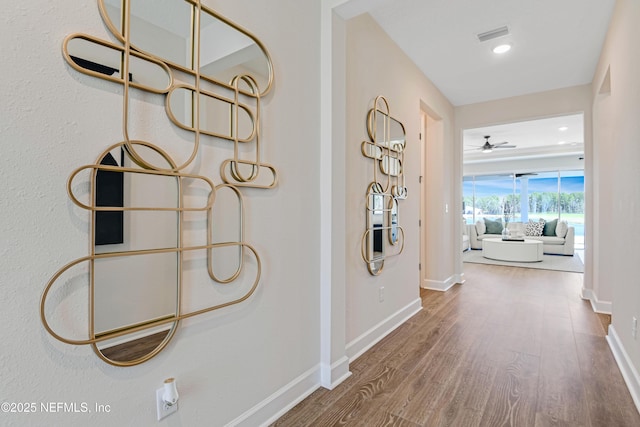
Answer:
(523, 196)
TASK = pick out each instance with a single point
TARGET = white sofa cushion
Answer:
(549, 240)
(481, 227)
(562, 228)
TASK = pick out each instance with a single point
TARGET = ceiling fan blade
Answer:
(500, 143)
(504, 146)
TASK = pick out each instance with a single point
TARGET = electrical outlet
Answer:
(162, 408)
(634, 327)
(381, 293)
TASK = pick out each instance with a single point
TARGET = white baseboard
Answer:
(367, 340)
(438, 285)
(629, 372)
(337, 372)
(459, 278)
(276, 405)
(598, 306)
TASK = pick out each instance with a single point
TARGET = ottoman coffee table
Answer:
(512, 250)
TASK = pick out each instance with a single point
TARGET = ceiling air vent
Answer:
(492, 34)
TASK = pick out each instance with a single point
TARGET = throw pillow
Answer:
(480, 227)
(493, 227)
(534, 228)
(550, 228)
(562, 228)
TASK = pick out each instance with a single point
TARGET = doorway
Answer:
(435, 200)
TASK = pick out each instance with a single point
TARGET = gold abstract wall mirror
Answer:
(386, 150)
(137, 200)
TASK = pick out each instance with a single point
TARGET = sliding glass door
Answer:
(523, 196)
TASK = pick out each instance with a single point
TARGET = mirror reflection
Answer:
(216, 114)
(371, 150)
(96, 57)
(375, 227)
(377, 123)
(164, 29)
(238, 55)
(391, 166)
(225, 263)
(393, 221)
(132, 287)
(161, 28)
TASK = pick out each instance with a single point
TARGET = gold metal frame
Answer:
(173, 170)
(119, 48)
(380, 150)
(232, 104)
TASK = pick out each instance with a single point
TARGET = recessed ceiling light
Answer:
(562, 128)
(562, 142)
(502, 48)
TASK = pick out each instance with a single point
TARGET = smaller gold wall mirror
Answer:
(386, 150)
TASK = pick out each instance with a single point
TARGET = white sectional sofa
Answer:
(554, 245)
(466, 243)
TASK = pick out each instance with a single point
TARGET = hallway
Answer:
(510, 347)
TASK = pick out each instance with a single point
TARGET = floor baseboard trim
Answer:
(459, 279)
(629, 372)
(370, 338)
(338, 372)
(439, 285)
(276, 405)
(598, 306)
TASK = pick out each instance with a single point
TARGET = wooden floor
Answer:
(134, 349)
(510, 347)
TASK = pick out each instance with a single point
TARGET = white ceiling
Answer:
(556, 43)
(532, 138)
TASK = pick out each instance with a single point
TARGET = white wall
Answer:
(54, 119)
(376, 66)
(616, 154)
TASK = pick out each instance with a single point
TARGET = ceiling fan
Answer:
(487, 147)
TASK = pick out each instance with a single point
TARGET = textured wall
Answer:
(53, 120)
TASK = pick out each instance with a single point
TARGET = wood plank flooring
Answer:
(134, 349)
(510, 347)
